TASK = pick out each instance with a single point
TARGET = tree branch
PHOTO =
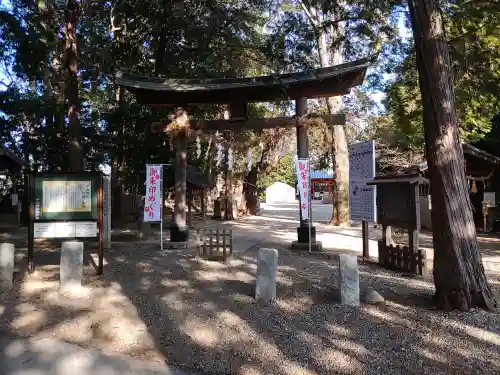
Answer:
(312, 19)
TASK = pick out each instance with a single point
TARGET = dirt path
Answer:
(201, 316)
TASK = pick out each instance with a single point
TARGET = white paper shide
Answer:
(303, 182)
(152, 204)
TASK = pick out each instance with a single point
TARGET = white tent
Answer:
(280, 192)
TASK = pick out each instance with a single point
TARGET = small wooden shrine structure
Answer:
(482, 171)
(398, 206)
(322, 182)
(196, 186)
(236, 93)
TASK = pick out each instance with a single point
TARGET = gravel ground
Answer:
(201, 316)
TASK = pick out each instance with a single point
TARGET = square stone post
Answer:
(267, 268)
(349, 279)
(7, 254)
(71, 268)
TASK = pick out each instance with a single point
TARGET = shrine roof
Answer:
(480, 154)
(313, 83)
(322, 174)
(468, 150)
(10, 160)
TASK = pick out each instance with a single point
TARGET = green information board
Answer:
(69, 196)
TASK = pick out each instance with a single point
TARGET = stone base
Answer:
(178, 234)
(71, 265)
(301, 246)
(303, 234)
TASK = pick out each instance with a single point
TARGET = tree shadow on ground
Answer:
(202, 316)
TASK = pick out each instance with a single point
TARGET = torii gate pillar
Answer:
(303, 230)
(179, 231)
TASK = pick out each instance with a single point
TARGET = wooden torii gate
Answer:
(237, 93)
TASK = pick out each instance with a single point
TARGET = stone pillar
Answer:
(349, 279)
(71, 268)
(302, 242)
(7, 253)
(179, 231)
(267, 267)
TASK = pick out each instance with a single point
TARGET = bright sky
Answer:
(405, 33)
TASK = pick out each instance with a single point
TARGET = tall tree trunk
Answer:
(46, 10)
(459, 274)
(116, 166)
(250, 191)
(71, 15)
(340, 194)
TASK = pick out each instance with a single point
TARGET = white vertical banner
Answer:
(153, 201)
(303, 182)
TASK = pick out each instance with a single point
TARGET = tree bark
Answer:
(328, 56)
(116, 166)
(71, 15)
(180, 187)
(459, 274)
(250, 191)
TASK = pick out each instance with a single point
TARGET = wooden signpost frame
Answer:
(93, 176)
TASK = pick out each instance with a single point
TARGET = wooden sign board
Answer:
(66, 205)
(66, 197)
(77, 229)
(398, 205)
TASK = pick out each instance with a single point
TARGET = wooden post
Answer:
(366, 240)
(203, 208)
(388, 235)
(303, 152)
(179, 231)
(15, 178)
(100, 211)
(413, 246)
(31, 223)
